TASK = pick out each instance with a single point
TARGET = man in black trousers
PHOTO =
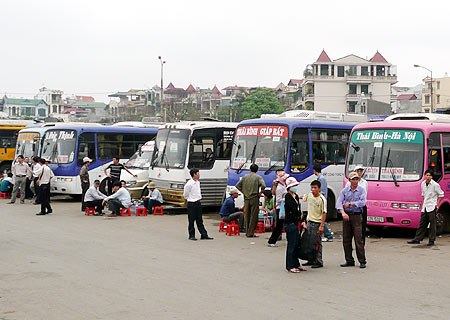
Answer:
(193, 195)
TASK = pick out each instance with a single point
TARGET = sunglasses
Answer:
(354, 178)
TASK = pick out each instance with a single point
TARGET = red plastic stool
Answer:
(141, 211)
(89, 210)
(4, 195)
(158, 211)
(260, 228)
(233, 230)
(125, 212)
(224, 225)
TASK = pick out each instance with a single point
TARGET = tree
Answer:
(259, 101)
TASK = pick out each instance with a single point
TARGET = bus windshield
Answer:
(264, 145)
(28, 144)
(171, 148)
(387, 155)
(59, 146)
(142, 158)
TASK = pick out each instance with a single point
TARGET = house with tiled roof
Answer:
(349, 84)
(20, 108)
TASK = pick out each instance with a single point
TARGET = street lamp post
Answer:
(431, 85)
(162, 88)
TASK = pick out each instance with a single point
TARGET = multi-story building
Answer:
(24, 108)
(437, 99)
(53, 98)
(349, 84)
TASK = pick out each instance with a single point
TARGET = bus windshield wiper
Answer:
(389, 161)
(271, 168)
(354, 146)
(239, 170)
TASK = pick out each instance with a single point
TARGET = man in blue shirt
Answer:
(350, 204)
(229, 212)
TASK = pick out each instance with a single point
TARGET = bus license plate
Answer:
(375, 219)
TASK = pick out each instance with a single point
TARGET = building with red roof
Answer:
(349, 84)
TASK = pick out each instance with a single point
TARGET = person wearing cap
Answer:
(363, 183)
(45, 176)
(350, 204)
(154, 198)
(291, 220)
(230, 212)
(84, 177)
(251, 186)
(93, 198)
(279, 191)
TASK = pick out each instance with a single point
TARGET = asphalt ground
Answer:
(70, 266)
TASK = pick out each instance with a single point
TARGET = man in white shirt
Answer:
(432, 195)
(44, 183)
(20, 179)
(36, 173)
(93, 198)
(119, 199)
(193, 195)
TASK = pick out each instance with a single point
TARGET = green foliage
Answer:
(259, 101)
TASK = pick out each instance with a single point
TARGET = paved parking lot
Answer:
(69, 266)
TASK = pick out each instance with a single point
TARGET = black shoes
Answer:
(193, 238)
(206, 238)
(41, 214)
(413, 241)
(362, 265)
(309, 263)
(348, 264)
(430, 244)
(315, 266)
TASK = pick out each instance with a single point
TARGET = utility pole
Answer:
(162, 88)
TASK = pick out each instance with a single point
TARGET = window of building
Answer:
(429, 86)
(438, 85)
(324, 69)
(438, 99)
(328, 146)
(352, 88)
(365, 88)
(380, 71)
(351, 70)
(41, 112)
(364, 71)
(340, 71)
(351, 107)
(427, 99)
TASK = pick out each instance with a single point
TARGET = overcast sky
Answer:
(95, 47)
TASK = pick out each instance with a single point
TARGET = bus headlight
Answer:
(414, 206)
(395, 206)
(68, 179)
(176, 186)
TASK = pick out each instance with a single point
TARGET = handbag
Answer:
(281, 213)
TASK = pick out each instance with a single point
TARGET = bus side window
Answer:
(446, 149)
(86, 147)
(299, 150)
(434, 156)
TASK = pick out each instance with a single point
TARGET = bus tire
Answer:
(104, 186)
(331, 206)
(442, 219)
(5, 165)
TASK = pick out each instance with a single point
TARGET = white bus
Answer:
(179, 147)
(139, 164)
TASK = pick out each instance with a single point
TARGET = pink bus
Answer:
(395, 153)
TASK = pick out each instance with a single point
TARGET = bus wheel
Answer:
(103, 186)
(442, 219)
(4, 166)
(331, 206)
